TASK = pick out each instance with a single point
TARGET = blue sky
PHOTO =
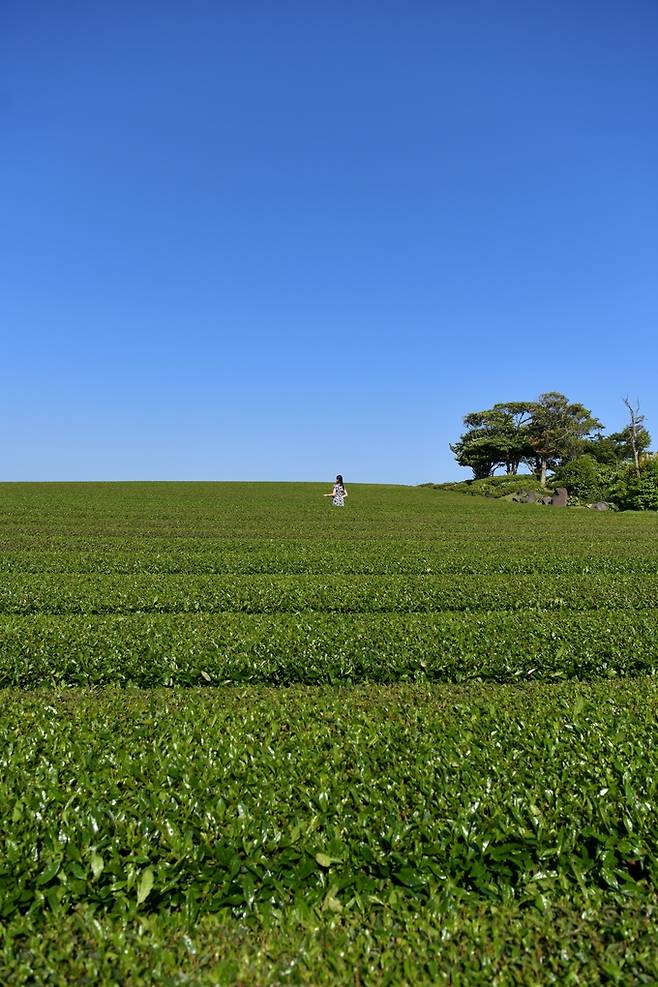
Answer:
(256, 240)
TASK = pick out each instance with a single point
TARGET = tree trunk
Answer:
(543, 466)
(636, 455)
(633, 430)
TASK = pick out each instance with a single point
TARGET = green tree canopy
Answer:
(616, 448)
(557, 430)
(543, 434)
(554, 433)
(495, 438)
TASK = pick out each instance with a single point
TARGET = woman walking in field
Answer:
(339, 493)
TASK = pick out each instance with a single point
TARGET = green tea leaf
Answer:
(97, 864)
(48, 873)
(145, 885)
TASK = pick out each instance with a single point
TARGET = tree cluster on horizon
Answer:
(546, 435)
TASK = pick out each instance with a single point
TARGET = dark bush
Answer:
(631, 492)
(584, 478)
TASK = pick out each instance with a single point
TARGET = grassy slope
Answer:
(182, 573)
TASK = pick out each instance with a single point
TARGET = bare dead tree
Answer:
(635, 426)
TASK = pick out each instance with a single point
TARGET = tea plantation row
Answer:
(514, 557)
(48, 593)
(281, 649)
(345, 812)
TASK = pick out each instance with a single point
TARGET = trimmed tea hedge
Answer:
(254, 799)
(281, 649)
(98, 593)
(372, 814)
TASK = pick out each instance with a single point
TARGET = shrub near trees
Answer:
(637, 491)
(553, 434)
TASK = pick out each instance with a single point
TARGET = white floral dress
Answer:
(338, 499)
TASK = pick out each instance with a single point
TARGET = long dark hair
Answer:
(339, 480)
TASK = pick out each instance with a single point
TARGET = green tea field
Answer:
(249, 738)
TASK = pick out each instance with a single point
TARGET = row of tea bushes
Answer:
(369, 559)
(253, 800)
(602, 937)
(107, 594)
(280, 649)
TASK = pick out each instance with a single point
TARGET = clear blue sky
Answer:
(258, 240)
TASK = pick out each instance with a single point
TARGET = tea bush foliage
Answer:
(248, 738)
